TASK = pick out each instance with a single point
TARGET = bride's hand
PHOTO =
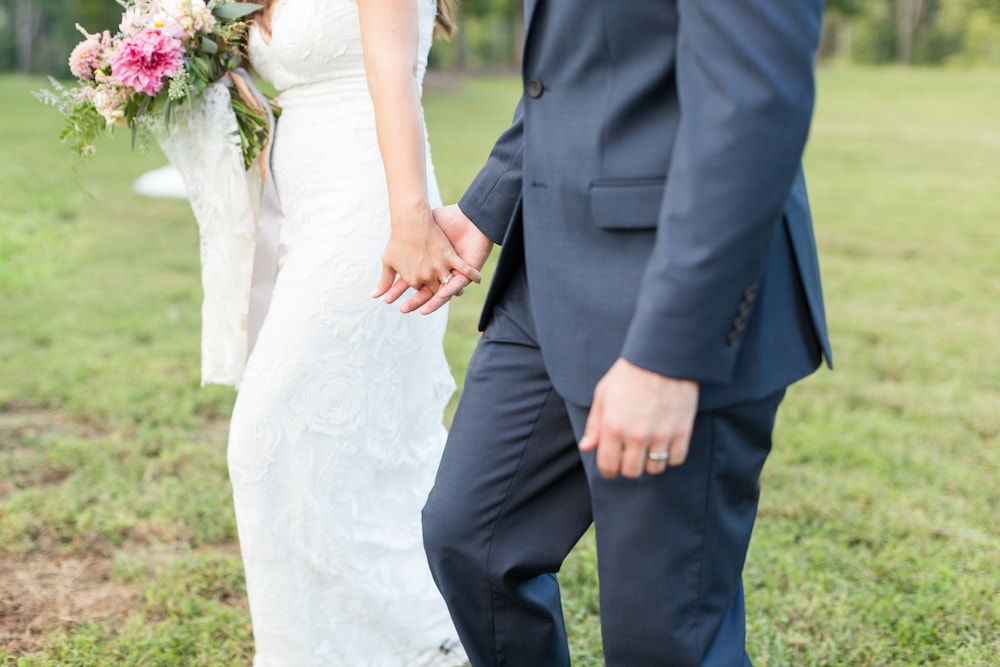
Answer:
(470, 243)
(420, 254)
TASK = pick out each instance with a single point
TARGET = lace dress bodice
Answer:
(326, 136)
(314, 41)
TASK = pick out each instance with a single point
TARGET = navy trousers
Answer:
(514, 494)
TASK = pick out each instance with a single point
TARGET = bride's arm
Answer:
(417, 249)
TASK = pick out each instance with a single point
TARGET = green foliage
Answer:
(876, 543)
(99, 100)
(489, 35)
(54, 31)
(235, 10)
(874, 34)
(844, 7)
(253, 129)
(82, 128)
(977, 33)
(965, 32)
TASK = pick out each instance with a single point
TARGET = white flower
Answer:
(178, 18)
(189, 16)
(109, 98)
(134, 19)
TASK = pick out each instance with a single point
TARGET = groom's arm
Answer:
(745, 85)
(490, 200)
(745, 80)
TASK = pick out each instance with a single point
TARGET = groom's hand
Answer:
(637, 417)
(471, 245)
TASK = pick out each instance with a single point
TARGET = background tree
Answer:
(37, 35)
(838, 28)
(490, 36)
(909, 15)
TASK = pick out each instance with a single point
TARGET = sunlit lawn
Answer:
(877, 542)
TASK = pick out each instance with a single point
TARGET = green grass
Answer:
(877, 542)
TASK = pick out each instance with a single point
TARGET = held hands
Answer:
(471, 245)
(637, 416)
(420, 255)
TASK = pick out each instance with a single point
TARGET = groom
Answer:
(657, 291)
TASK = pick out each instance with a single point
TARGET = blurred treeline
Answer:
(913, 32)
(37, 35)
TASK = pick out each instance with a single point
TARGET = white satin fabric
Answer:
(337, 429)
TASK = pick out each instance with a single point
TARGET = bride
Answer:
(336, 432)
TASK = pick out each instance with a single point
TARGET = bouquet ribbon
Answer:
(265, 256)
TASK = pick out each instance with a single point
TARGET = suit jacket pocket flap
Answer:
(626, 204)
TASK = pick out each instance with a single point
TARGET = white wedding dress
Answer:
(336, 432)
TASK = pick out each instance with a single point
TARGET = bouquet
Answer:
(173, 72)
(166, 53)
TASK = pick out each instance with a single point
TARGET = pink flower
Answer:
(89, 55)
(141, 62)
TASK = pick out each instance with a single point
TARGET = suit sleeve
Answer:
(745, 84)
(493, 195)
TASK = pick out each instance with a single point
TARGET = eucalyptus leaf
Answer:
(201, 67)
(208, 46)
(236, 10)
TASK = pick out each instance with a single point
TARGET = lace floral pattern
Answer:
(202, 143)
(337, 433)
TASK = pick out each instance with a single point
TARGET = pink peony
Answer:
(141, 62)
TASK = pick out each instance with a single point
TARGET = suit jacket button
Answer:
(535, 88)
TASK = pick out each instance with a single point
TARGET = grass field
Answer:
(877, 544)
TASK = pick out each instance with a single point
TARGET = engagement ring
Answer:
(445, 279)
(658, 456)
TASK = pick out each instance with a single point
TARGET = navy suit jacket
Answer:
(651, 185)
